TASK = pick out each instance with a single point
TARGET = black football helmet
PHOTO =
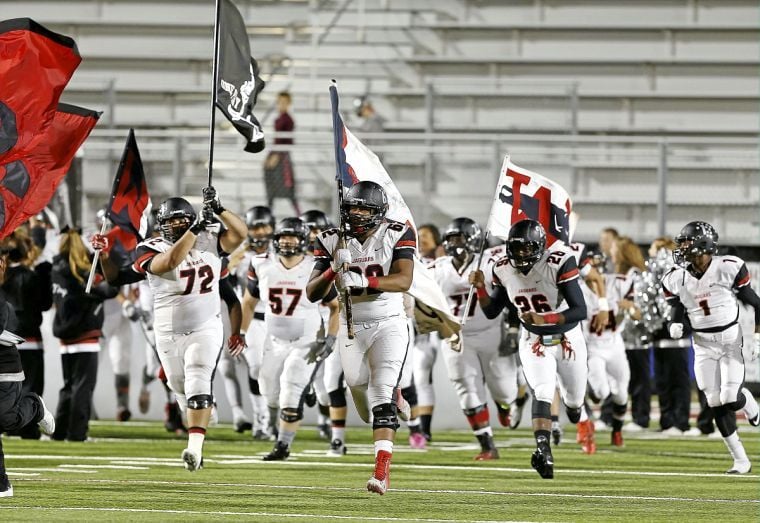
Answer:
(257, 216)
(315, 219)
(364, 195)
(291, 227)
(170, 209)
(153, 222)
(470, 233)
(694, 240)
(526, 244)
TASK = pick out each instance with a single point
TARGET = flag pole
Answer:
(472, 287)
(215, 75)
(347, 305)
(91, 277)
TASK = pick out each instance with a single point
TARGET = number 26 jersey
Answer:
(389, 242)
(188, 296)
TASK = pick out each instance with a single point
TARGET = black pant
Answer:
(640, 387)
(671, 374)
(18, 409)
(33, 362)
(80, 371)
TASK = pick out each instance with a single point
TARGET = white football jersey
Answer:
(389, 242)
(579, 252)
(188, 296)
(242, 274)
(455, 286)
(709, 300)
(288, 315)
(616, 288)
(538, 291)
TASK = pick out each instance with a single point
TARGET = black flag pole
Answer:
(215, 82)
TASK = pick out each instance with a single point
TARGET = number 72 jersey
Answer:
(188, 296)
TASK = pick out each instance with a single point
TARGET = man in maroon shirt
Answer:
(278, 169)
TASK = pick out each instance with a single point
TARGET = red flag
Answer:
(28, 182)
(129, 207)
(35, 66)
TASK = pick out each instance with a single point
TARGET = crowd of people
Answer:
(569, 327)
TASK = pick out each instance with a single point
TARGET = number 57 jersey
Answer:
(187, 297)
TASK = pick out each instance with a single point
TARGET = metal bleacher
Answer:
(606, 97)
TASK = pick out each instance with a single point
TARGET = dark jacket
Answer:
(30, 293)
(10, 360)
(78, 316)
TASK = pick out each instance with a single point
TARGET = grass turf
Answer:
(132, 472)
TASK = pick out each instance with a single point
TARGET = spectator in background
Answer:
(77, 324)
(371, 121)
(29, 292)
(629, 262)
(429, 242)
(607, 237)
(671, 361)
(279, 177)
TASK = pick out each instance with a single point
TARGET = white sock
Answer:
(584, 415)
(485, 430)
(735, 447)
(750, 407)
(339, 433)
(195, 441)
(413, 422)
(237, 413)
(322, 419)
(383, 444)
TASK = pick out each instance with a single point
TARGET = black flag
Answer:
(238, 82)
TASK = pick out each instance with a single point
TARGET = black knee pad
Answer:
(741, 401)
(725, 420)
(200, 402)
(253, 386)
(290, 415)
(574, 415)
(338, 398)
(410, 395)
(384, 417)
(541, 409)
(619, 410)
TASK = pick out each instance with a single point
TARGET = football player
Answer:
(704, 288)
(480, 364)
(260, 222)
(183, 268)
(380, 255)
(543, 284)
(292, 326)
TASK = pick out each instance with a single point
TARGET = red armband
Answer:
(482, 292)
(329, 275)
(372, 282)
(552, 317)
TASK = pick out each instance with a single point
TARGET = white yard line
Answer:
(117, 467)
(229, 513)
(418, 491)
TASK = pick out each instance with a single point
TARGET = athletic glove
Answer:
(676, 330)
(755, 347)
(129, 311)
(455, 343)
(510, 342)
(199, 224)
(320, 349)
(340, 256)
(100, 242)
(351, 280)
(236, 345)
(211, 200)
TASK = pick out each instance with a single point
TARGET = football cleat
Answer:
(243, 425)
(751, 410)
(337, 449)
(617, 438)
(740, 467)
(143, 400)
(504, 415)
(543, 461)
(47, 423)
(8, 492)
(280, 452)
(487, 455)
(556, 433)
(323, 429)
(404, 410)
(381, 479)
(261, 435)
(192, 460)
(173, 420)
(417, 441)
(588, 445)
(123, 415)
(516, 410)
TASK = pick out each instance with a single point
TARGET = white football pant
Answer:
(719, 365)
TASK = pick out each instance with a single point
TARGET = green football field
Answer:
(132, 472)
